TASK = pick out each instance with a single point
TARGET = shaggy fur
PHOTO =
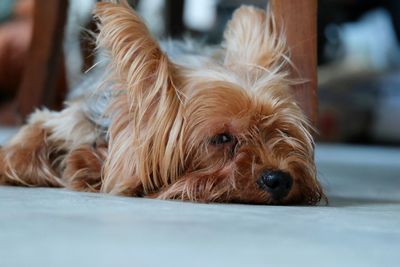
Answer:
(166, 118)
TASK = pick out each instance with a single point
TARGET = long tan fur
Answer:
(204, 132)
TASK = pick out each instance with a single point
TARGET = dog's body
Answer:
(220, 126)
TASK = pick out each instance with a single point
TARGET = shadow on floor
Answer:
(339, 201)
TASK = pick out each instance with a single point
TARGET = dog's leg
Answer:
(84, 167)
(27, 159)
(35, 156)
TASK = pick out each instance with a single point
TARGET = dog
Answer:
(222, 126)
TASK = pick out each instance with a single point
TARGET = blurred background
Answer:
(358, 57)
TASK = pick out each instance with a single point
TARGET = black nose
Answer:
(277, 183)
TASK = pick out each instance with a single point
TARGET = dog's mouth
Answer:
(265, 186)
(281, 188)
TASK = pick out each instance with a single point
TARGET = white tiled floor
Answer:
(360, 226)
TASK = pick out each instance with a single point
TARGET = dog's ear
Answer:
(252, 39)
(145, 123)
(137, 61)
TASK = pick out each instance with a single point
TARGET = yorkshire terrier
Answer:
(221, 126)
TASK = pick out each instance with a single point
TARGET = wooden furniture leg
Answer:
(40, 84)
(299, 20)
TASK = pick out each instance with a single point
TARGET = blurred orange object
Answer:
(24, 9)
(15, 37)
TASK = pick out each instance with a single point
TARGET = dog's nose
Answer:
(277, 183)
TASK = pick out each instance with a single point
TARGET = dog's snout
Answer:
(277, 183)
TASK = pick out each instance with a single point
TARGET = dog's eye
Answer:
(221, 139)
(285, 132)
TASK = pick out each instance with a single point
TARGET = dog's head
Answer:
(225, 130)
